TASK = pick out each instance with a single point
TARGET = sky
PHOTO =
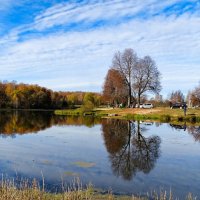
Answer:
(69, 45)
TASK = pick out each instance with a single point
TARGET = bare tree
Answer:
(194, 97)
(177, 97)
(125, 63)
(146, 77)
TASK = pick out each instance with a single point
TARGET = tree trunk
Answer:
(129, 95)
(138, 130)
(138, 100)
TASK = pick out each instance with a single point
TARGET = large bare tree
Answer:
(146, 77)
(125, 63)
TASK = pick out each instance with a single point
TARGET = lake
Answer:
(126, 157)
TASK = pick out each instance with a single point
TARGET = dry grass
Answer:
(27, 190)
(32, 191)
(158, 111)
(156, 114)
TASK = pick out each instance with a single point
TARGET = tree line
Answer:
(25, 96)
(130, 77)
(192, 98)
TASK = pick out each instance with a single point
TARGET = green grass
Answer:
(158, 114)
(165, 117)
(74, 112)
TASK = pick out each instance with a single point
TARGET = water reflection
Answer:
(129, 151)
(193, 130)
(71, 149)
(21, 122)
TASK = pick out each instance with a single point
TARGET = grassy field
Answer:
(155, 114)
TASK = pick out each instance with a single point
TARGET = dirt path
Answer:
(126, 111)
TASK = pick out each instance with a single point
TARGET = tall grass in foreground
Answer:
(26, 190)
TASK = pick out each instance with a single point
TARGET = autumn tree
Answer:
(125, 63)
(58, 100)
(146, 78)
(115, 89)
(90, 100)
(3, 96)
(25, 96)
(13, 95)
(72, 99)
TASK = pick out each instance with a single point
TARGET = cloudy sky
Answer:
(69, 45)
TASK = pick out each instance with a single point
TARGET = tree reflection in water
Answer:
(193, 130)
(22, 122)
(129, 151)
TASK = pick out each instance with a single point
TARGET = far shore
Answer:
(158, 114)
(26, 109)
(161, 114)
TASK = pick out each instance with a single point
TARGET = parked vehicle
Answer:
(147, 105)
(139, 106)
(176, 105)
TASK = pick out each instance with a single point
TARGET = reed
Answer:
(32, 190)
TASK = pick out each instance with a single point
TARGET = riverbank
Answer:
(32, 191)
(156, 114)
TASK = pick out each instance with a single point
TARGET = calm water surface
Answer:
(129, 157)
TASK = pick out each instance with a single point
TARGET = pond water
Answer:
(125, 156)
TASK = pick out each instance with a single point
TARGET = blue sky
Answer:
(69, 45)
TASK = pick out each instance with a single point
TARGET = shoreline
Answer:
(155, 115)
(31, 189)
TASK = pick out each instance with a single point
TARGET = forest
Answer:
(25, 96)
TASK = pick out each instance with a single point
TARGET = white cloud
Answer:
(79, 60)
(67, 13)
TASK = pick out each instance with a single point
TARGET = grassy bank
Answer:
(167, 115)
(74, 112)
(155, 114)
(26, 190)
(32, 191)
(81, 112)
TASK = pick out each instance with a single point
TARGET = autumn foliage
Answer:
(25, 96)
(115, 89)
